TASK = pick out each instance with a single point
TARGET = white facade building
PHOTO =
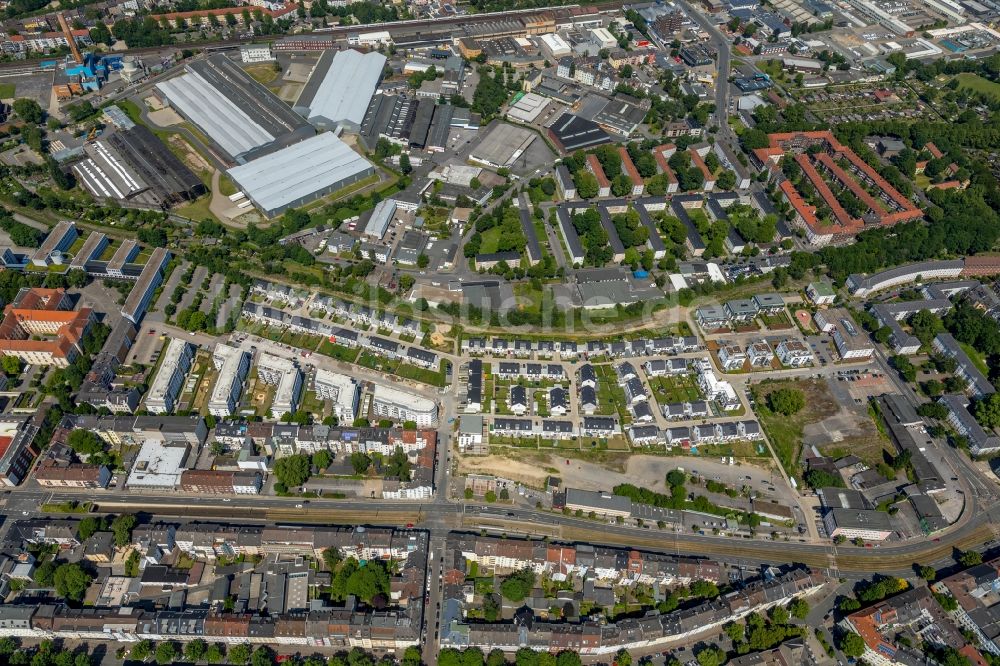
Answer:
(341, 390)
(282, 373)
(391, 403)
(232, 364)
(169, 380)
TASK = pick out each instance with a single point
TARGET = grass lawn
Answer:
(198, 209)
(226, 186)
(491, 241)
(978, 84)
(7, 90)
(339, 352)
(668, 389)
(785, 432)
(262, 73)
(416, 373)
(976, 358)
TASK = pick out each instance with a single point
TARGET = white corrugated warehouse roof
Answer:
(203, 104)
(285, 176)
(347, 87)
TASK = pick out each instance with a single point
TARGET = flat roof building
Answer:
(308, 170)
(393, 403)
(601, 503)
(157, 466)
(283, 374)
(340, 88)
(232, 364)
(502, 145)
(341, 390)
(169, 379)
(239, 114)
(152, 275)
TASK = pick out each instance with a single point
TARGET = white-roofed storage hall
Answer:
(300, 173)
(340, 88)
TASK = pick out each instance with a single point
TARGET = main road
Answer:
(440, 516)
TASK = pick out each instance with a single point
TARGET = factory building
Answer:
(239, 114)
(309, 170)
(133, 165)
(169, 380)
(232, 364)
(340, 88)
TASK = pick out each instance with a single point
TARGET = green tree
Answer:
(215, 653)
(166, 653)
(852, 645)
(122, 527)
(490, 496)
(928, 573)
(786, 401)
(293, 470)
(987, 411)
(85, 443)
(87, 527)
(141, 651)
(518, 585)
(239, 654)
(195, 650)
(970, 558)
(322, 459)
(799, 608)
(71, 581)
(11, 365)
(710, 655)
(28, 110)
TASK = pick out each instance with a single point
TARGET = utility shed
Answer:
(300, 173)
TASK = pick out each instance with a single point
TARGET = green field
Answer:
(977, 83)
(7, 90)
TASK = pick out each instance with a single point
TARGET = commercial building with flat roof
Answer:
(239, 114)
(502, 145)
(60, 239)
(152, 275)
(571, 133)
(340, 88)
(300, 173)
(601, 503)
(157, 466)
(169, 379)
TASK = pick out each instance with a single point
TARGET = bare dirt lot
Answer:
(532, 467)
(165, 117)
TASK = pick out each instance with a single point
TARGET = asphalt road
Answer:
(440, 516)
